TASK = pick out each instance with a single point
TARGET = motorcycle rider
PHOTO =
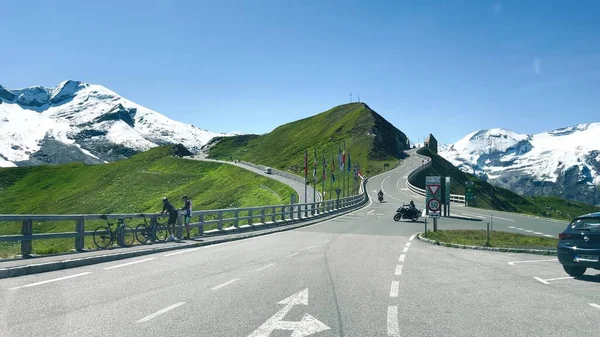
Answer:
(380, 195)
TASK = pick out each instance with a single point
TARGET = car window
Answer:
(592, 224)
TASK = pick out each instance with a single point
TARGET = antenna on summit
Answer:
(358, 98)
(350, 97)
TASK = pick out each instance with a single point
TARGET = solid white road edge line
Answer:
(160, 312)
(265, 267)
(392, 321)
(394, 289)
(225, 284)
(559, 278)
(129, 263)
(49, 281)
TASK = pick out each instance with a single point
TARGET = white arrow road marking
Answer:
(541, 280)
(306, 327)
(371, 211)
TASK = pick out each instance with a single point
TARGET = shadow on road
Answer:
(589, 278)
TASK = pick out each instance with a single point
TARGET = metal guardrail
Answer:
(455, 198)
(226, 220)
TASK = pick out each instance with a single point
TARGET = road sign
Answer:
(447, 191)
(434, 205)
(433, 188)
(434, 214)
(307, 326)
(293, 201)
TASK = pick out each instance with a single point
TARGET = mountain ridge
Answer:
(78, 121)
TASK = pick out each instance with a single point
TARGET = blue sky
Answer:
(446, 67)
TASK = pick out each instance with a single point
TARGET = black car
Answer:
(579, 245)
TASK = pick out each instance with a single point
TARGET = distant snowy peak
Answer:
(565, 160)
(90, 120)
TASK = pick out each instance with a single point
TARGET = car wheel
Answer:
(574, 271)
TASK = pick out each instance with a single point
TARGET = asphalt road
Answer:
(361, 274)
(297, 186)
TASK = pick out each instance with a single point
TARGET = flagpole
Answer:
(315, 181)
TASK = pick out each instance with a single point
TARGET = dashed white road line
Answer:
(49, 281)
(594, 305)
(160, 312)
(412, 237)
(408, 244)
(129, 263)
(225, 284)
(398, 271)
(548, 236)
(293, 254)
(392, 321)
(311, 247)
(405, 249)
(402, 257)
(183, 251)
(559, 278)
(371, 211)
(326, 241)
(265, 267)
(394, 289)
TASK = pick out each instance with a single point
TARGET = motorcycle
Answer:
(406, 212)
(380, 197)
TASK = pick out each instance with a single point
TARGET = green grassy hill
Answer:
(370, 139)
(133, 185)
(492, 197)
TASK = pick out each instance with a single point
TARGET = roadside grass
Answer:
(497, 239)
(135, 185)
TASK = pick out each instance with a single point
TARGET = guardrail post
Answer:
(262, 215)
(284, 213)
(249, 217)
(179, 226)
(80, 229)
(26, 229)
(220, 224)
(273, 214)
(201, 227)
(236, 221)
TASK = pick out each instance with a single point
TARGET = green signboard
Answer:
(469, 193)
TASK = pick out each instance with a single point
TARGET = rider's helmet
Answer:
(165, 199)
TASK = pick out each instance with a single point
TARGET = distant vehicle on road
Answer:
(579, 245)
(268, 170)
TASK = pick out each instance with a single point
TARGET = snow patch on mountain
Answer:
(102, 124)
(552, 160)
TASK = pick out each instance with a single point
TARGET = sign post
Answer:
(433, 197)
(469, 195)
(447, 196)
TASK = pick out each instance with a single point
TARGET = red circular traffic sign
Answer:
(434, 205)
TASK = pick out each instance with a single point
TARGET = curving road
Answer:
(360, 274)
(297, 186)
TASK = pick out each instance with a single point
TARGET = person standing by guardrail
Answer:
(168, 207)
(187, 214)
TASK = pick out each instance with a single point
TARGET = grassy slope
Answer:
(370, 140)
(497, 198)
(497, 239)
(134, 185)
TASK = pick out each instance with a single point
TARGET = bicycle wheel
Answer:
(102, 237)
(160, 233)
(142, 233)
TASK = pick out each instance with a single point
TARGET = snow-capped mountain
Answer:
(77, 121)
(563, 162)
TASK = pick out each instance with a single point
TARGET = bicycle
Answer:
(156, 231)
(104, 236)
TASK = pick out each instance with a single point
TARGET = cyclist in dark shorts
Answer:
(168, 207)
(187, 214)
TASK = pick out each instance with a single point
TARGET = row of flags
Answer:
(343, 165)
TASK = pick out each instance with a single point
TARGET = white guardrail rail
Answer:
(455, 198)
(208, 222)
